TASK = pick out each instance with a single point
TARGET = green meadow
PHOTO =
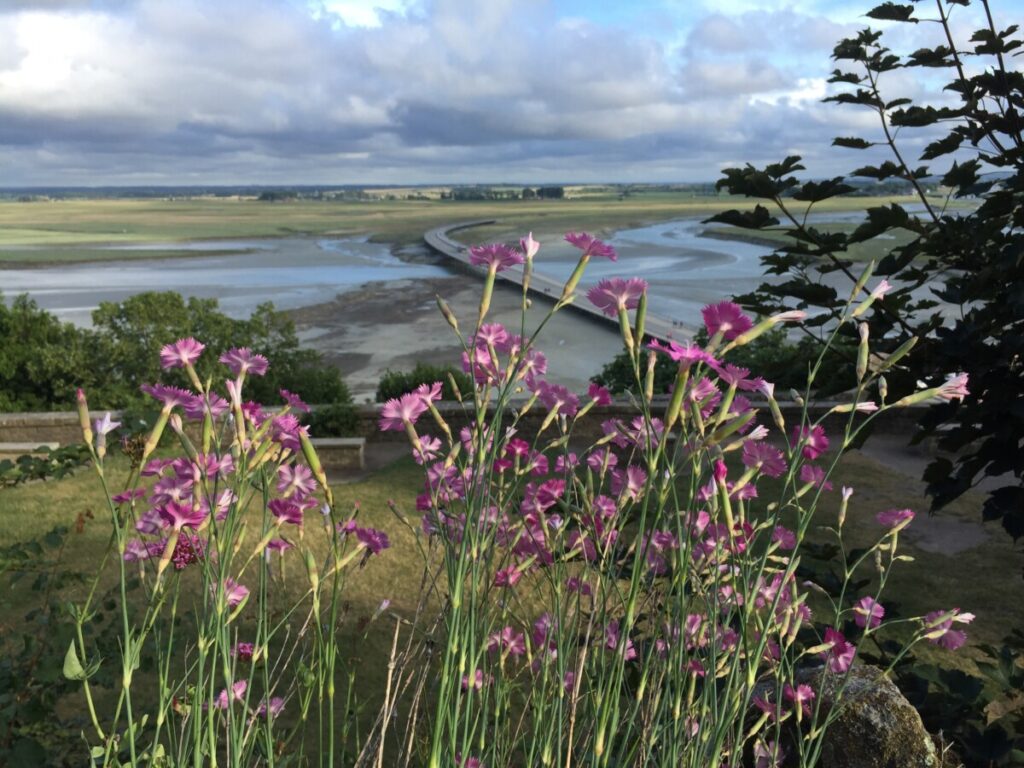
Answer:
(55, 231)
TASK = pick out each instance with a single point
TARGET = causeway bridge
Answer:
(544, 287)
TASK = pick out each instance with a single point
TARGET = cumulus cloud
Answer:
(376, 91)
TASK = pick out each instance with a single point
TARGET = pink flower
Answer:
(181, 353)
(802, 695)
(529, 246)
(786, 538)
(599, 394)
(180, 516)
(275, 707)
(128, 496)
(881, 289)
(496, 256)
(199, 406)
(507, 641)
(375, 541)
(840, 656)
(612, 639)
(234, 593)
(955, 388)
(938, 626)
(555, 396)
(726, 318)
(616, 295)
(590, 246)
(242, 360)
(491, 333)
(685, 354)
(897, 519)
(237, 694)
(286, 511)
(169, 396)
(294, 401)
(817, 441)
(295, 479)
(507, 577)
(243, 651)
(397, 412)
(764, 457)
(868, 612)
(814, 475)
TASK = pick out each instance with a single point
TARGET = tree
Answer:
(972, 261)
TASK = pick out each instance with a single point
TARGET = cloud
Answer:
(374, 91)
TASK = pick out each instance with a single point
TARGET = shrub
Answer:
(334, 420)
(396, 383)
(773, 356)
(967, 257)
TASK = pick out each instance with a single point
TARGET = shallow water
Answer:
(291, 272)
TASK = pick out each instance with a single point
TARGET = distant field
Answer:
(61, 231)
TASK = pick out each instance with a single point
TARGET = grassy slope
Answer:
(933, 581)
(43, 232)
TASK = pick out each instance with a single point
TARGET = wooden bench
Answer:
(341, 452)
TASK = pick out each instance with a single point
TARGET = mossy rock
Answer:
(875, 727)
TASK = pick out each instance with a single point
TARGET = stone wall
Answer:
(62, 427)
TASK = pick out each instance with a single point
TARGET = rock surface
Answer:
(876, 726)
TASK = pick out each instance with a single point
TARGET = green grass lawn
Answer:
(983, 580)
(49, 231)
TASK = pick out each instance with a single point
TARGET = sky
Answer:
(179, 92)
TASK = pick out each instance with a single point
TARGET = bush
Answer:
(334, 420)
(773, 356)
(396, 383)
(43, 360)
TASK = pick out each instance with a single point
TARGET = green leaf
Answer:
(893, 12)
(73, 669)
(851, 142)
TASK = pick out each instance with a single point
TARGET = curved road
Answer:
(656, 327)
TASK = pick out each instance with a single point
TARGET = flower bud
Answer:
(83, 416)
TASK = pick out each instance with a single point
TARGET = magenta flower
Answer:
(128, 496)
(814, 475)
(938, 626)
(591, 246)
(171, 397)
(685, 354)
(802, 695)
(817, 441)
(726, 318)
(868, 612)
(897, 519)
(242, 360)
(507, 641)
(243, 651)
(286, 511)
(785, 538)
(613, 638)
(555, 396)
(840, 656)
(955, 388)
(275, 707)
(198, 406)
(181, 353)
(616, 295)
(375, 541)
(496, 256)
(294, 401)
(180, 516)
(397, 412)
(490, 333)
(295, 480)
(765, 458)
(237, 694)
(507, 577)
(234, 593)
(599, 394)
